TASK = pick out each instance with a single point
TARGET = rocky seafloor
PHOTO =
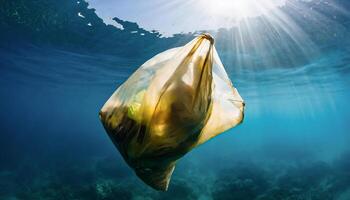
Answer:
(105, 178)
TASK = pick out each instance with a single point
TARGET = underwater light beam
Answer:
(262, 27)
(254, 31)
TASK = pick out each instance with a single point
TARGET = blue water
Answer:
(294, 142)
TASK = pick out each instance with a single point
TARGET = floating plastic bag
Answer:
(174, 102)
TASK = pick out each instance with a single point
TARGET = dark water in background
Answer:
(293, 144)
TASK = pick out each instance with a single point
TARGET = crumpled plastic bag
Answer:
(174, 102)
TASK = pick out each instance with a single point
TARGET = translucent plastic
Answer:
(174, 102)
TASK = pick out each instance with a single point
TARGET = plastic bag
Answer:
(174, 102)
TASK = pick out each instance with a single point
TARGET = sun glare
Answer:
(239, 9)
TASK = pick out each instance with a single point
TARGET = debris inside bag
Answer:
(174, 102)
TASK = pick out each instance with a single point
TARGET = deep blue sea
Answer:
(56, 73)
